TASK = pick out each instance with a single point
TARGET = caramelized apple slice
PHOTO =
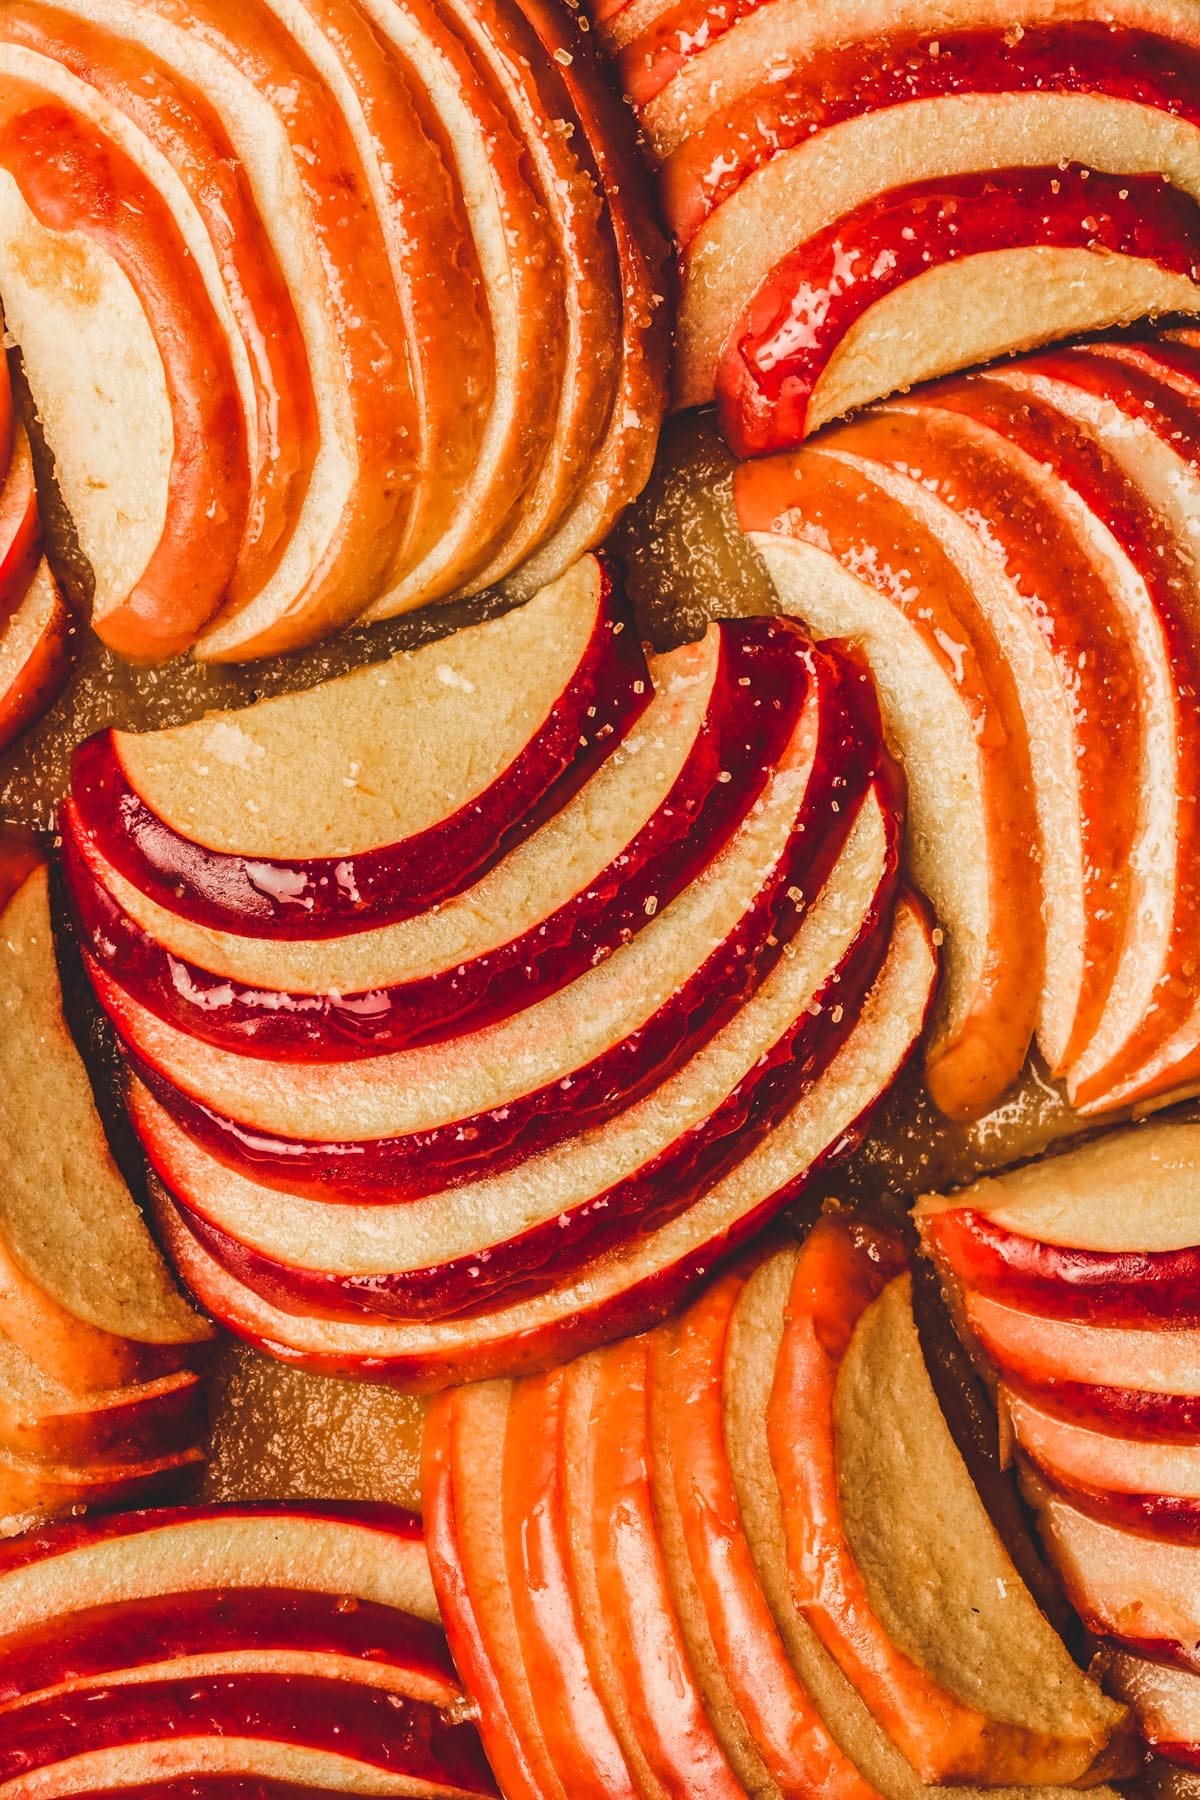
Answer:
(629, 1289)
(923, 1608)
(586, 881)
(944, 681)
(31, 1489)
(504, 1238)
(43, 1420)
(20, 527)
(216, 1768)
(112, 1316)
(35, 655)
(1165, 1699)
(367, 799)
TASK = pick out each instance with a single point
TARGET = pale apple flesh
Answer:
(42, 1418)
(36, 654)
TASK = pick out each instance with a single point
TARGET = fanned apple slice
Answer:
(385, 1734)
(848, 554)
(688, 1410)
(632, 1288)
(264, 1630)
(215, 1768)
(42, 1419)
(20, 527)
(585, 882)
(31, 1488)
(368, 1553)
(923, 1608)
(504, 1238)
(366, 799)
(35, 655)
(128, 366)
(114, 1315)
(401, 1121)
(1165, 1699)
(1103, 1234)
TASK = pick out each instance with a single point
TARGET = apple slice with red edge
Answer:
(629, 1289)
(113, 1316)
(36, 655)
(590, 877)
(417, 1120)
(891, 588)
(1103, 1234)
(32, 1488)
(43, 1420)
(280, 846)
(1165, 1699)
(20, 527)
(216, 1768)
(503, 1239)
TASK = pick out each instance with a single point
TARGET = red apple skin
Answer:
(1141, 1288)
(1131, 1412)
(98, 1642)
(74, 180)
(521, 1267)
(761, 682)
(847, 82)
(113, 1426)
(389, 1732)
(769, 368)
(214, 1787)
(41, 678)
(260, 897)
(20, 529)
(849, 756)
(1168, 1517)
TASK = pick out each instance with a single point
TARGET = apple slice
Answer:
(32, 1489)
(944, 682)
(20, 526)
(687, 1402)
(265, 1630)
(380, 1731)
(1166, 1701)
(505, 1238)
(281, 846)
(648, 819)
(417, 1120)
(213, 1768)
(148, 384)
(43, 1420)
(35, 655)
(1103, 1234)
(867, 1555)
(1138, 1383)
(629, 1289)
(94, 1321)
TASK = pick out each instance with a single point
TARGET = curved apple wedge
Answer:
(960, 1667)
(505, 1238)
(113, 1316)
(42, 1419)
(1165, 1699)
(1104, 1234)
(35, 655)
(414, 1121)
(633, 1286)
(368, 798)
(647, 821)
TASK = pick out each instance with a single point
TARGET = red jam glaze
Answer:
(1129, 1287)
(790, 332)
(102, 1640)
(73, 180)
(760, 686)
(329, 896)
(1080, 57)
(384, 1730)
(516, 1268)
(849, 755)
(1167, 1517)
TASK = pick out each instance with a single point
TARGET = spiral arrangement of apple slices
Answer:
(1016, 552)
(328, 308)
(491, 994)
(742, 1555)
(1075, 1282)
(238, 1652)
(101, 1389)
(869, 195)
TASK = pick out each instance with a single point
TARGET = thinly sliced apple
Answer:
(44, 1420)
(114, 1315)
(384, 1732)
(891, 588)
(265, 1630)
(20, 527)
(143, 408)
(1136, 1383)
(367, 1553)
(1090, 1467)
(886, 1581)
(629, 1289)
(31, 1489)
(216, 1768)
(282, 846)
(687, 1403)
(417, 1120)
(593, 875)
(1166, 1701)
(502, 1239)
(35, 655)
(1104, 1234)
